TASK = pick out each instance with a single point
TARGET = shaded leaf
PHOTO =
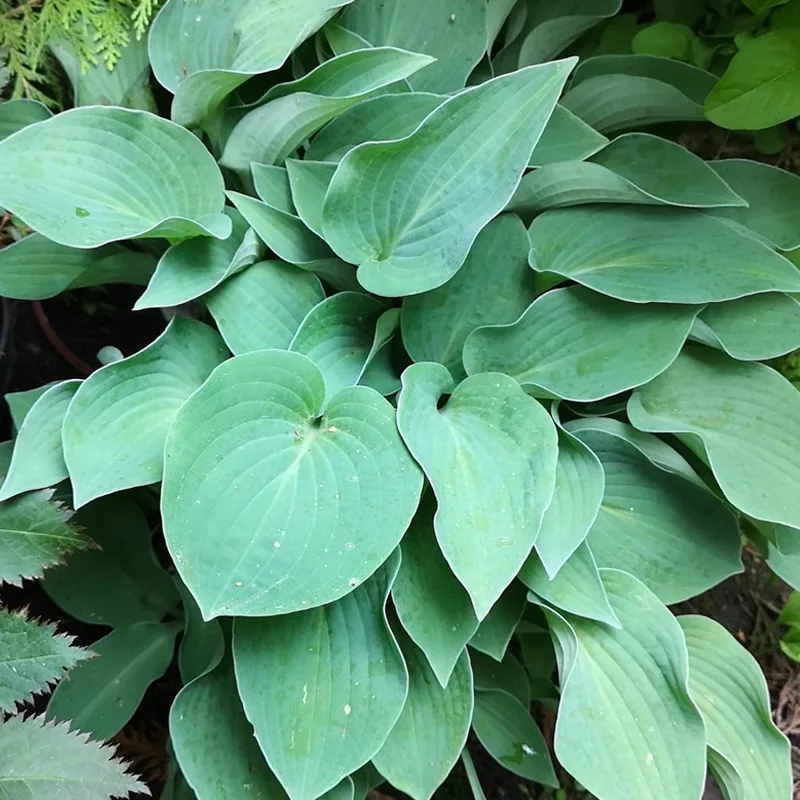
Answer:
(497, 627)
(566, 138)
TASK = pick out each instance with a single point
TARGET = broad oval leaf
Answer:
(338, 683)
(490, 454)
(117, 422)
(566, 137)
(271, 183)
(269, 508)
(665, 255)
(129, 174)
(309, 181)
(416, 237)
(19, 113)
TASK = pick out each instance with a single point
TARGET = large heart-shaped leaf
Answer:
(666, 255)
(128, 174)
(269, 508)
(417, 232)
(338, 684)
(490, 455)
(566, 138)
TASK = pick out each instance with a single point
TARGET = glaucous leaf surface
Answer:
(19, 113)
(271, 183)
(416, 233)
(745, 418)
(309, 181)
(202, 644)
(269, 507)
(627, 726)
(507, 675)
(117, 422)
(165, 183)
(566, 138)
(19, 404)
(490, 455)
(337, 687)
(665, 255)
(497, 627)
(493, 287)
(727, 685)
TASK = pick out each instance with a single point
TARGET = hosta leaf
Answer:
(453, 31)
(59, 763)
(17, 114)
(507, 675)
(418, 235)
(746, 417)
(344, 790)
(378, 119)
(33, 655)
(117, 422)
(365, 779)
(497, 627)
(338, 684)
(494, 286)
(433, 607)
(202, 644)
(119, 583)
(293, 112)
(202, 51)
(566, 138)
(271, 183)
(309, 181)
(262, 306)
(19, 404)
(490, 454)
(729, 688)
(786, 567)
(38, 458)
(472, 776)
(342, 40)
(103, 693)
(35, 268)
(510, 736)
(272, 509)
(666, 255)
(129, 174)
(675, 537)
(578, 345)
(774, 197)
(432, 729)
(223, 759)
(627, 726)
(577, 588)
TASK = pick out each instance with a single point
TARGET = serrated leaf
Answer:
(103, 693)
(117, 422)
(202, 644)
(496, 629)
(165, 183)
(33, 655)
(566, 137)
(19, 113)
(493, 287)
(746, 418)
(490, 455)
(419, 236)
(309, 181)
(299, 511)
(626, 725)
(666, 255)
(338, 682)
(263, 306)
(59, 763)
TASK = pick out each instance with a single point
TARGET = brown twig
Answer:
(21, 9)
(54, 339)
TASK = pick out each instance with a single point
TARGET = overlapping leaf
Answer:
(496, 629)
(309, 181)
(16, 114)
(566, 138)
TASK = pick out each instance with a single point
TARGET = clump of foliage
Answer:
(475, 394)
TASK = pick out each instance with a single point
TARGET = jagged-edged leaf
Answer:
(626, 725)
(35, 268)
(432, 728)
(490, 454)
(202, 51)
(746, 418)
(416, 237)
(202, 644)
(666, 255)
(729, 688)
(754, 328)
(273, 508)
(103, 693)
(262, 306)
(119, 582)
(38, 458)
(675, 537)
(578, 345)
(433, 607)
(33, 655)
(507, 675)
(59, 763)
(497, 627)
(117, 422)
(773, 195)
(293, 112)
(129, 174)
(577, 587)
(509, 734)
(453, 31)
(19, 113)
(309, 181)
(493, 287)
(338, 684)
(566, 138)
(378, 119)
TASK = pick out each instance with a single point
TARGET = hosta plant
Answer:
(461, 396)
